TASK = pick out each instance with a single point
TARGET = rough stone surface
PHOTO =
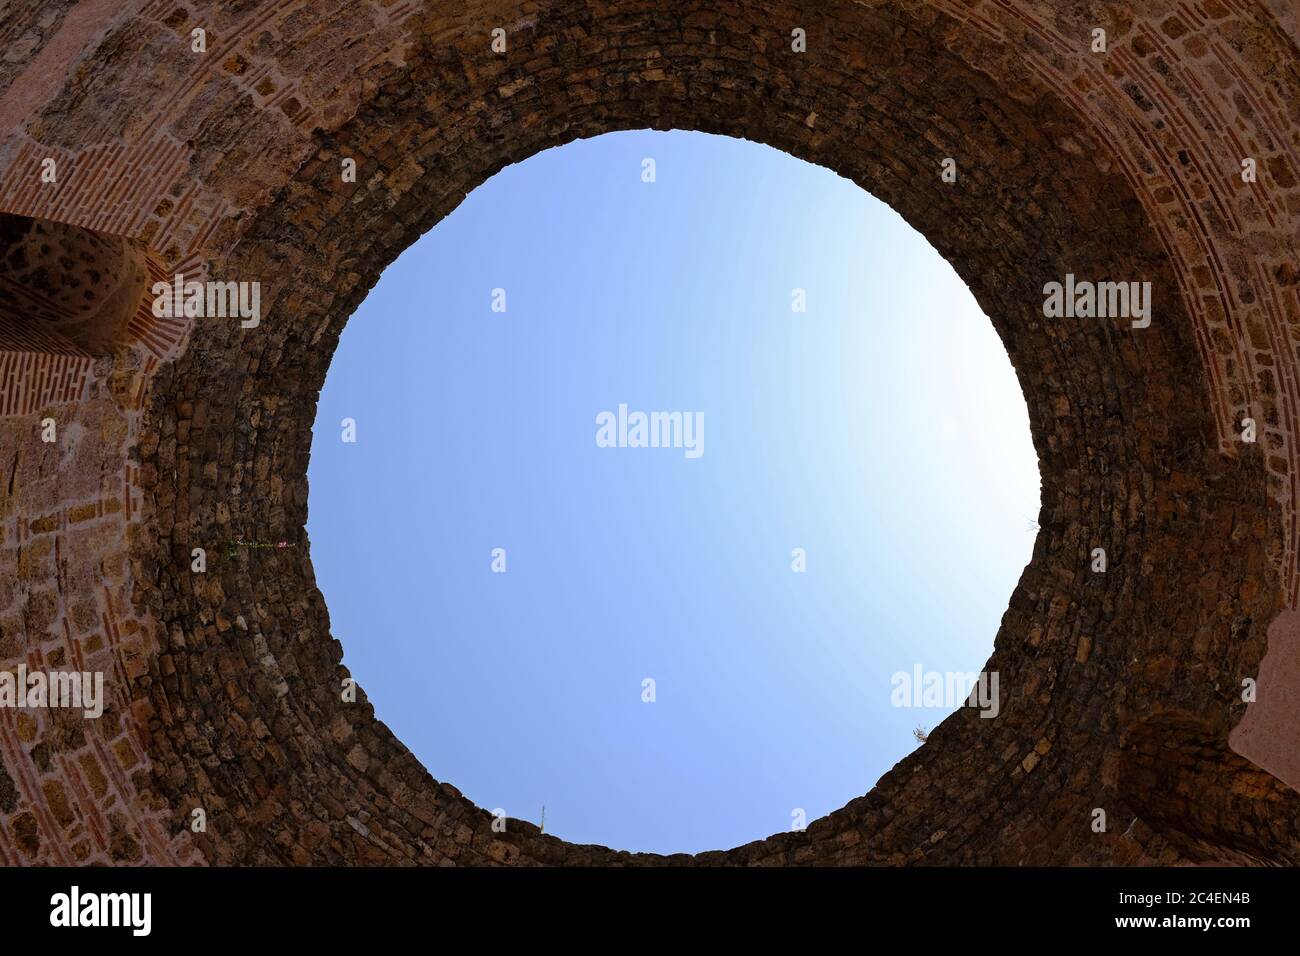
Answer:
(1120, 690)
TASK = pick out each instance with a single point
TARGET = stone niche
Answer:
(66, 289)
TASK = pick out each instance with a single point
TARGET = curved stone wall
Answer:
(1121, 691)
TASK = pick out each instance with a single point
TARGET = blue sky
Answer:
(882, 431)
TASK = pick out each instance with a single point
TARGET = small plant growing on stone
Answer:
(921, 735)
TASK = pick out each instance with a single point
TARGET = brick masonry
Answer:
(1121, 691)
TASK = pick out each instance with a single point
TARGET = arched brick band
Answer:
(1120, 691)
